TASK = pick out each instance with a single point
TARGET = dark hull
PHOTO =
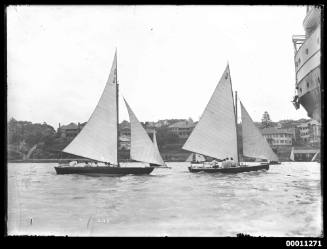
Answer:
(154, 165)
(272, 163)
(230, 170)
(104, 171)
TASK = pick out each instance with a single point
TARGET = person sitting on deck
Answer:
(233, 163)
(73, 163)
(226, 163)
(214, 163)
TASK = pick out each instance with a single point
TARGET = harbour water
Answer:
(284, 201)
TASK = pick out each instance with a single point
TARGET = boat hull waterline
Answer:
(230, 170)
(104, 171)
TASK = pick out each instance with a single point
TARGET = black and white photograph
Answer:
(164, 121)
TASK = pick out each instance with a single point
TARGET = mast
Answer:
(235, 111)
(117, 110)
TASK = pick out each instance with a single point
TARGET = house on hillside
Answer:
(161, 123)
(278, 137)
(70, 130)
(183, 128)
(310, 132)
(125, 129)
(124, 142)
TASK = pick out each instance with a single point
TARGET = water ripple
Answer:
(284, 201)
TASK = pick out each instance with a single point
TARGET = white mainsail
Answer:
(196, 156)
(254, 144)
(215, 133)
(142, 148)
(98, 139)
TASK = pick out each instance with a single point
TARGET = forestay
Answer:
(142, 148)
(98, 139)
(254, 144)
(215, 133)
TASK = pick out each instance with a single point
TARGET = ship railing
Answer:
(298, 40)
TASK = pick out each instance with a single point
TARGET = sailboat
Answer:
(157, 151)
(98, 140)
(215, 135)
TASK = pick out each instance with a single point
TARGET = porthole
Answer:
(308, 84)
(307, 51)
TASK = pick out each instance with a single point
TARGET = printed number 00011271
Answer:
(303, 243)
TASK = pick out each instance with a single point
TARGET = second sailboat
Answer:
(215, 135)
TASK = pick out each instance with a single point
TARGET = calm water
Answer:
(284, 201)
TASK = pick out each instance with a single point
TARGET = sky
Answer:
(170, 59)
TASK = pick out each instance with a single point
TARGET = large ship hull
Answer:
(311, 102)
(231, 170)
(103, 170)
(307, 61)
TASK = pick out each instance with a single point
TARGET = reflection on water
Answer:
(284, 201)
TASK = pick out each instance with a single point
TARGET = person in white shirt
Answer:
(227, 163)
(73, 163)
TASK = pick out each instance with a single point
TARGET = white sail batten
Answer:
(215, 133)
(98, 139)
(142, 148)
(254, 144)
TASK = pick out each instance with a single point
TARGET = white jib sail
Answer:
(215, 133)
(155, 143)
(155, 140)
(142, 148)
(98, 139)
(254, 144)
